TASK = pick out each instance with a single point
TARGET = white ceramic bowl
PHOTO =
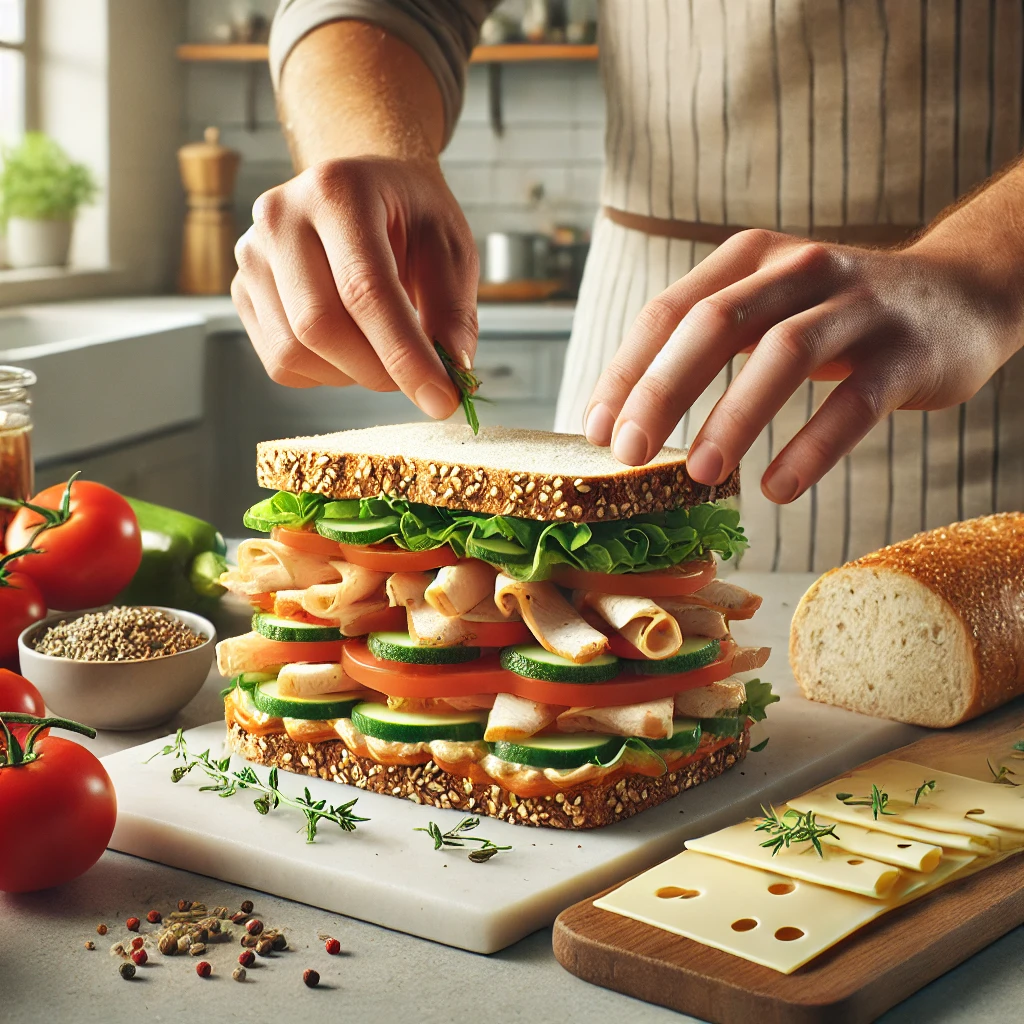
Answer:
(120, 695)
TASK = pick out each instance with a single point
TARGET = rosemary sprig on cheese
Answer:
(793, 827)
(467, 382)
(1002, 775)
(926, 787)
(227, 783)
(457, 837)
(877, 800)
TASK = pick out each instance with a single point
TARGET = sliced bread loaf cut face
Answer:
(880, 642)
(928, 631)
(533, 474)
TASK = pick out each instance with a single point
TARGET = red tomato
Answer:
(284, 652)
(307, 540)
(87, 558)
(388, 557)
(499, 634)
(21, 604)
(675, 582)
(58, 814)
(18, 694)
(485, 675)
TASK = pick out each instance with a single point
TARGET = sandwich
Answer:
(928, 631)
(512, 624)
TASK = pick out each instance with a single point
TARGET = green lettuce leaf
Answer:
(759, 695)
(635, 754)
(657, 540)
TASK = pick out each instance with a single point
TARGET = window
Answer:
(13, 91)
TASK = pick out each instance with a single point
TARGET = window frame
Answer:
(29, 50)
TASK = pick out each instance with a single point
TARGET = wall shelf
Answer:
(507, 53)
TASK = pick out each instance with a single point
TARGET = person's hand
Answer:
(335, 267)
(917, 328)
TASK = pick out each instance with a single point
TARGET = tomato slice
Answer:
(306, 540)
(485, 675)
(675, 582)
(281, 652)
(500, 634)
(388, 557)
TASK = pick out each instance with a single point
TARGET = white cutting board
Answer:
(388, 874)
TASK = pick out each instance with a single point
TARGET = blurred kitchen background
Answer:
(158, 394)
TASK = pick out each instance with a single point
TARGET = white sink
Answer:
(105, 378)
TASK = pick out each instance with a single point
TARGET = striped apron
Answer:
(806, 116)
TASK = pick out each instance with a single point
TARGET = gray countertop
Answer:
(46, 974)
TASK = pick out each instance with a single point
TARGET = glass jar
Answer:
(16, 472)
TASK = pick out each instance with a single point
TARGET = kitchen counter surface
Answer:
(46, 974)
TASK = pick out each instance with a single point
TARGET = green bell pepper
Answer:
(182, 559)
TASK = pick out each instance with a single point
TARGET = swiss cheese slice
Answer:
(835, 867)
(944, 810)
(762, 916)
(904, 853)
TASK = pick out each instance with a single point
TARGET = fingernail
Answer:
(780, 485)
(630, 444)
(704, 462)
(467, 363)
(434, 401)
(598, 424)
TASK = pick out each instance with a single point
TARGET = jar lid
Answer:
(15, 378)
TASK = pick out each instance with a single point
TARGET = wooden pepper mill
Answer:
(208, 172)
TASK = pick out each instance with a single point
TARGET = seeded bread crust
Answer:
(583, 807)
(532, 474)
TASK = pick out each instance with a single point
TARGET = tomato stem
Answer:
(19, 753)
(50, 516)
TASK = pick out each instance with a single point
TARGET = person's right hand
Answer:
(337, 264)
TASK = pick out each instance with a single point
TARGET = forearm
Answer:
(348, 89)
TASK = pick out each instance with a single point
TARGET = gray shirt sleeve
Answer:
(442, 32)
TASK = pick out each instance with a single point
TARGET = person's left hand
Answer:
(918, 328)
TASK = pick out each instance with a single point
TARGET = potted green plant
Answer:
(41, 189)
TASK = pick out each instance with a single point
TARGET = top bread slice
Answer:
(533, 474)
(929, 631)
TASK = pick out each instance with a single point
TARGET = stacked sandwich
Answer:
(511, 624)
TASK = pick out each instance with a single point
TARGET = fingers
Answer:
(712, 332)
(283, 357)
(656, 323)
(446, 273)
(876, 388)
(352, 225)
(783, 359)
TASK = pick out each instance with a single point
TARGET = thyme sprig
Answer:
(467, 382)
(877, 800)
(793, 827)
(226, 783)
(1001, 776)
(457, 837)
(926, 787)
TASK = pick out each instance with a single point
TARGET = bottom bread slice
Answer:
(590, 805)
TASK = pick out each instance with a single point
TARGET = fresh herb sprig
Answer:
(457, 837)
(926, 787)
(226, 783)
(877, 800)
(1002, 776)
(793, 827)
(467, 382)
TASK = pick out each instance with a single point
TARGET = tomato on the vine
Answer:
(21, 604)
(89, 550)
(17, 694)
(57, 806)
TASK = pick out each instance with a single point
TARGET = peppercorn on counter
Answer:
(518, 657)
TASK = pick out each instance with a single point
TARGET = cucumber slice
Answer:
(379, 721)
(685, 738)
(696, 652)
(536, 663)
(402, 647)
(255, 523)
(358, 531)
(248, 681)
(273, 627)
(557, 750)
(499, 550)
(268, 699)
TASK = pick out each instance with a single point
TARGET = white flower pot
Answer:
(38, 243)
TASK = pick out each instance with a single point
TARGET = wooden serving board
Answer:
(855, 981)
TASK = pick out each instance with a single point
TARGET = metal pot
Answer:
(514, 256)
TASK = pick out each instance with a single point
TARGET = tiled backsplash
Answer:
(554, 136)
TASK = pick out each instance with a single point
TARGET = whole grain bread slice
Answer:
(928, 631)
(533, 474)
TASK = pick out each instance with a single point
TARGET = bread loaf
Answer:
(928, 631)
(532, 474)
